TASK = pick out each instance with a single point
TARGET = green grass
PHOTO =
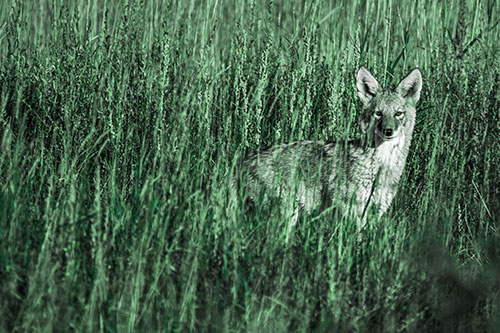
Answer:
(120, 127)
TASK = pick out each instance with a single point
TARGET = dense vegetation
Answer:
(121, 123)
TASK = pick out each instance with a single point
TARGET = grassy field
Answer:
(121, 122)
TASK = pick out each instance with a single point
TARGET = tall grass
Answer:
(120, 127)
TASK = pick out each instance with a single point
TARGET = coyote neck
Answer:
(375, 169)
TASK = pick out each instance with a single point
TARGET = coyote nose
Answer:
(387, 131)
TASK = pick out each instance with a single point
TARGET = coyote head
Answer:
(386, 112)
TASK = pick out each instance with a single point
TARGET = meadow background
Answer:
(120, 125)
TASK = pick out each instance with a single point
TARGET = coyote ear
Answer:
(367, 85)
(409, 88)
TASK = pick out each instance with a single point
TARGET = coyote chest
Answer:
(372, 177)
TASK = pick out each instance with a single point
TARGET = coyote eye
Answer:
(378, 114)
(398, 114)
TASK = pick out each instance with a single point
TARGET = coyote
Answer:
(353, 177)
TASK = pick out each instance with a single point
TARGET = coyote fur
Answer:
(356, 177)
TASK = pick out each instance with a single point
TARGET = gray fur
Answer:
(355, 177)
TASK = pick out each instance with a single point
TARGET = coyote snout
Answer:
(355, 177)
